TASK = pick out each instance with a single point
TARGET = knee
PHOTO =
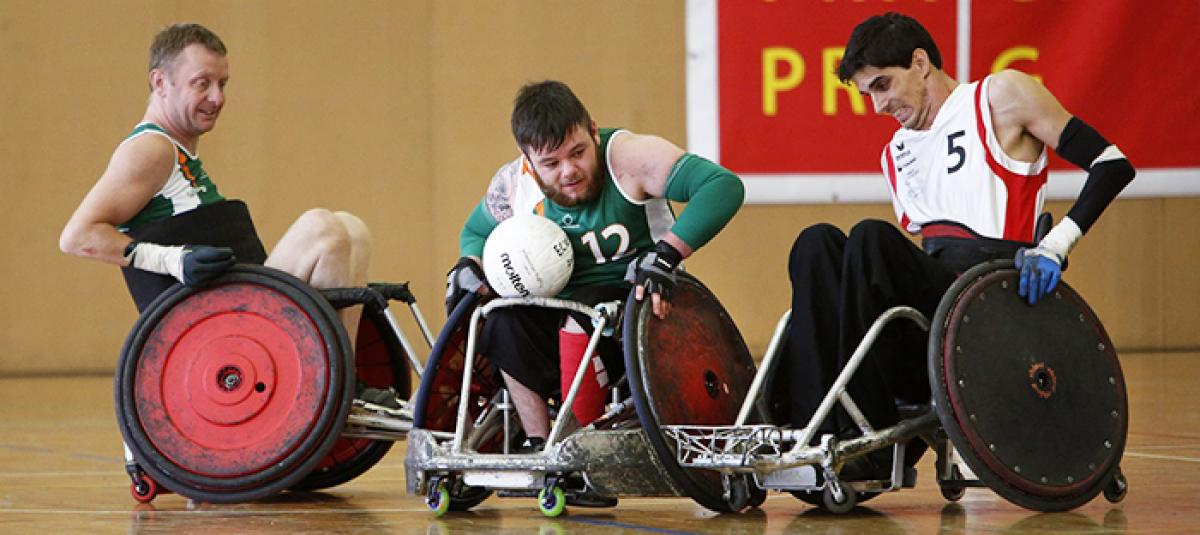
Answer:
(324, 231)
(870, 235)
(359, 234)
(814, 242)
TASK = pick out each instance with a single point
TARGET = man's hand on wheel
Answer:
(465, 277)
(654, 274)
(193, 265)
(1040, 271)
(202, 264)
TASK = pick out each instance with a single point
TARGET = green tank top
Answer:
(610, 232)
(188, 187)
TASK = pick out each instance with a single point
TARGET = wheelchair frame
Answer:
(782, 459)
(439, 461)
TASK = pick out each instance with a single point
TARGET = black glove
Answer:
(202, 264)
(465, 277)
(656, 270)
(193, 265)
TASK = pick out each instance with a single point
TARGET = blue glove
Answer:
(1040, 271)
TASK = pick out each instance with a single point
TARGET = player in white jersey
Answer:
(156, 213)
(967, 171)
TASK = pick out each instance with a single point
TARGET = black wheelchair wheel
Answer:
(234, 392)
(1032, 397)
(380, 362)
(692, 368)
(436, 404)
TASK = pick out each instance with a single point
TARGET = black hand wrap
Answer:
(202, 264)
(465, 277)
(656, 270)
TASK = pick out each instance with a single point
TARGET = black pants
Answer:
(840, 285)
(523, 341)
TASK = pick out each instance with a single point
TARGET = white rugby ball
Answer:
(527, 255)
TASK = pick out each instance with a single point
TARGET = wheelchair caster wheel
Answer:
(952, 488)
(829, 498)
(143, 489)
(758, 496)
(438, 500)
(552, 501)
(1116, 488)
(952, 492)
(737, 493)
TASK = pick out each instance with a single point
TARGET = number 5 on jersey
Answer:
(960, 152)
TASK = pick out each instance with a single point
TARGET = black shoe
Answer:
(384, 397)
(588, 498)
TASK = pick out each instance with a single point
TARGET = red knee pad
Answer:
(589, 401)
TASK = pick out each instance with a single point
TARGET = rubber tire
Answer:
(703, 486)
(450, 344)
(294, 466)
(374, 450)
(937, 376)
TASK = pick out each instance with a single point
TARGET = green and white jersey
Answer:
(187, 188)
(606, 234)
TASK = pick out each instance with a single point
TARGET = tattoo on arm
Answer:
(499, 193)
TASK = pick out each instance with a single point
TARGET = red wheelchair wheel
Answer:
(236, 391)
(692, 368)
(380, 362)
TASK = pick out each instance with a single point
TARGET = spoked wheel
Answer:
(381, 363)
(692, 368)
(1032, 397)
(436, 405)
(236, 391)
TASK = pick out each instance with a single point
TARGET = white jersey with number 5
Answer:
(956, 171)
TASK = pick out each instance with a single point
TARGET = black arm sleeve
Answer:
(1081, 145)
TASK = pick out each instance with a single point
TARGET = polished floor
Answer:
(61, 472)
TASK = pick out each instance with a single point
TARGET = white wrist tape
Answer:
(1061, 239)
(163, 259)
(1110, 153)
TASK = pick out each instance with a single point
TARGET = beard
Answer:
(589, 193)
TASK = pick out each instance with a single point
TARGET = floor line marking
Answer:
(615, 524)
(1163, 457)
(214, 512)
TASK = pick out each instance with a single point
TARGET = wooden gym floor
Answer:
(61, 472)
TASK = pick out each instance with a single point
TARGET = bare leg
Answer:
(328, 250)
(535, 419)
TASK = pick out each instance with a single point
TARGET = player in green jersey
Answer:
(157, 213)
(609, 190)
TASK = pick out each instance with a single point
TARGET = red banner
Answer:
(1123, 66)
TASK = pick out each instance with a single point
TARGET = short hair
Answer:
(170, 41)
(545, 113)
(886, 40)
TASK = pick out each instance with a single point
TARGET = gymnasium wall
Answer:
(398, 112)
